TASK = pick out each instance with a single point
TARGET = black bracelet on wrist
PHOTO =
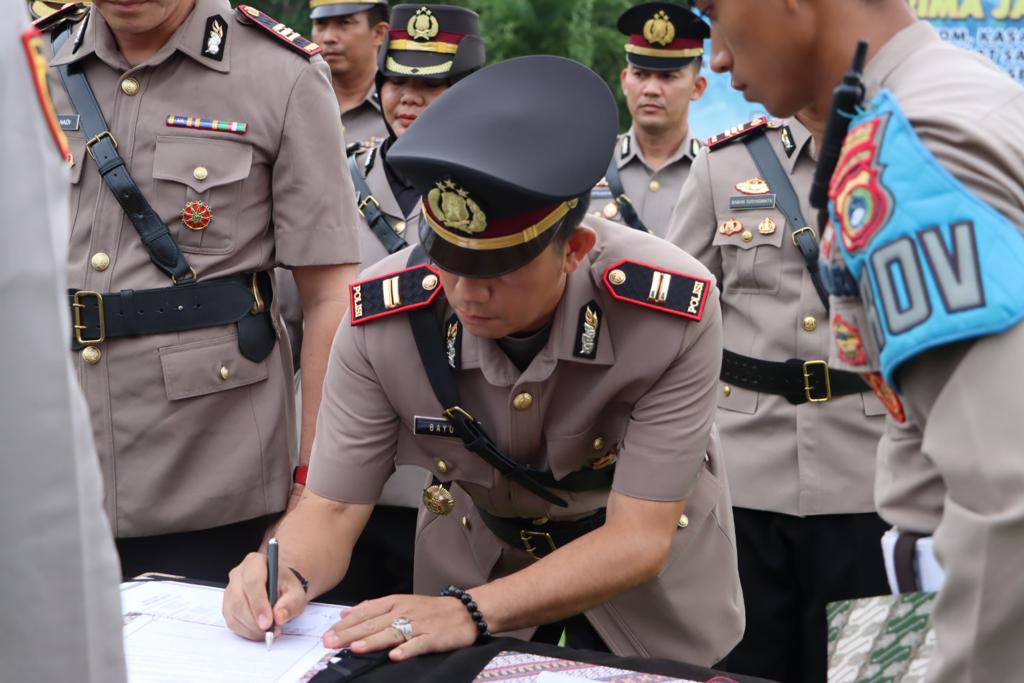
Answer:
(471, 606)
(301, 578)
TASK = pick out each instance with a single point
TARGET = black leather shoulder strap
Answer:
(626, 208)
(429, 342)
(102, 146)
(369, 208)
(786, 199)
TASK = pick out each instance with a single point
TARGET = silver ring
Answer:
(403, 626)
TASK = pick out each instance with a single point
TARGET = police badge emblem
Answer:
(452, 206)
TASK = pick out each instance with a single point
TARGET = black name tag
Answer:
(68, 121)
(433, 426)
(745, 202)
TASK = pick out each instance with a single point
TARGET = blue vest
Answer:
(934, 263)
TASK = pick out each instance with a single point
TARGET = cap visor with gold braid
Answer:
(503, 157)
(662, 36)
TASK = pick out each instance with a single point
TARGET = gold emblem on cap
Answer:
(438, 500)
(659, 29)
(453, 206)
(753, 186)
(422, 25)
(766, 227)
(730, 227)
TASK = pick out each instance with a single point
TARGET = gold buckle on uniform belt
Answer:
(258, 305)
(76, 309)
(526, 536)
(369, 199)
(806, 228)
(96, 139)
(808, 364)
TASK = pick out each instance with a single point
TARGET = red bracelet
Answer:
(299, 474)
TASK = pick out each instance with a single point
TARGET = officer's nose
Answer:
(474, 291)
(721, 56)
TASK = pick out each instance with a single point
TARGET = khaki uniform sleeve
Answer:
(357, 428)
(693, 223)
(667, 436)
(314, 201)
(909, 491)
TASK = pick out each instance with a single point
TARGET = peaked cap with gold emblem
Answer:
(432, 41)
(662, 36)
(503, 159)
(322, 9)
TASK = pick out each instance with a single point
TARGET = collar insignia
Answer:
(587, 331)
(216, 33)
(453, 342)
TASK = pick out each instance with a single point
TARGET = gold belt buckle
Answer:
(526, 536)
(369, 199)
(806, 228)
(808, 364)
(258, 305)
(94, 140)
(76, 309)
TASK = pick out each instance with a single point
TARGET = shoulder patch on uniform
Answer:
(662, 290)
(404, 290)
(737, 132)
(290, 37)
(72, 13)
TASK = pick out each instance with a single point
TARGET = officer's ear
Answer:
(581, 241)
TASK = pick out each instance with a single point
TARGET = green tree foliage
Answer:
(583, 30)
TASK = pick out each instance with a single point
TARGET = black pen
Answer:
(271, 587)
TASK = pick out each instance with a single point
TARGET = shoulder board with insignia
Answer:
(737, 132)
(289, 37)
(659, 289)
(405, 290)
(73, 12)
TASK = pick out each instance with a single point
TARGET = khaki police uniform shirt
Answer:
(406, 226)
(653, 193)
(810, 459)
(647, 396)
(60, 600)
(364, 121)
(966, 397)
(190, 434)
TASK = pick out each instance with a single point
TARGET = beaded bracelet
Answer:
(471, 606)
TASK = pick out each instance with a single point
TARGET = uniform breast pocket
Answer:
(197, 190)
(441, 453)
(751, 247)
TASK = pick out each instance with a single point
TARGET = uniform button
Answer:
(465, 523)
(400, 227)
(616, 277)
(224, 372)
(441, 465)
(747, 236)
(91, 355)
(200, 173)
(810, 323)
(727, 390)
(654, 186)
(598, 443)
(429, 282)
(683, 522)
(522, 401)
(610, 210)
(130, 87)
(100, 261)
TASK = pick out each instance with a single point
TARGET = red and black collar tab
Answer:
(662, 36)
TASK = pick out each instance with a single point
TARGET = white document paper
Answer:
(175, 632)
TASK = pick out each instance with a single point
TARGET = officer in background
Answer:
(349, 34)
(924, 253)
(218, 116)
(60, 598)
(801, 451)
(661, 79)
(582, 449)
(444, 51)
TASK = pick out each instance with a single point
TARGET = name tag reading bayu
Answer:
(433, 426)
(68, 121)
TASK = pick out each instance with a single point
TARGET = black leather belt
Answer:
(540, 537)
(242, 299)
(798, 381)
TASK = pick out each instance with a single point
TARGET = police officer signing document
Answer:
(559, 380)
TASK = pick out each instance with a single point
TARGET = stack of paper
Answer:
(518, 667)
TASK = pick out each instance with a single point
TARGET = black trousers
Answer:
(381, 560)
(207, 555)
(790, 568)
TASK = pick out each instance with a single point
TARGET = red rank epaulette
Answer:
(663, 290)
(289, 37)
(737, 132)
(405, 290)
(71, 12)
